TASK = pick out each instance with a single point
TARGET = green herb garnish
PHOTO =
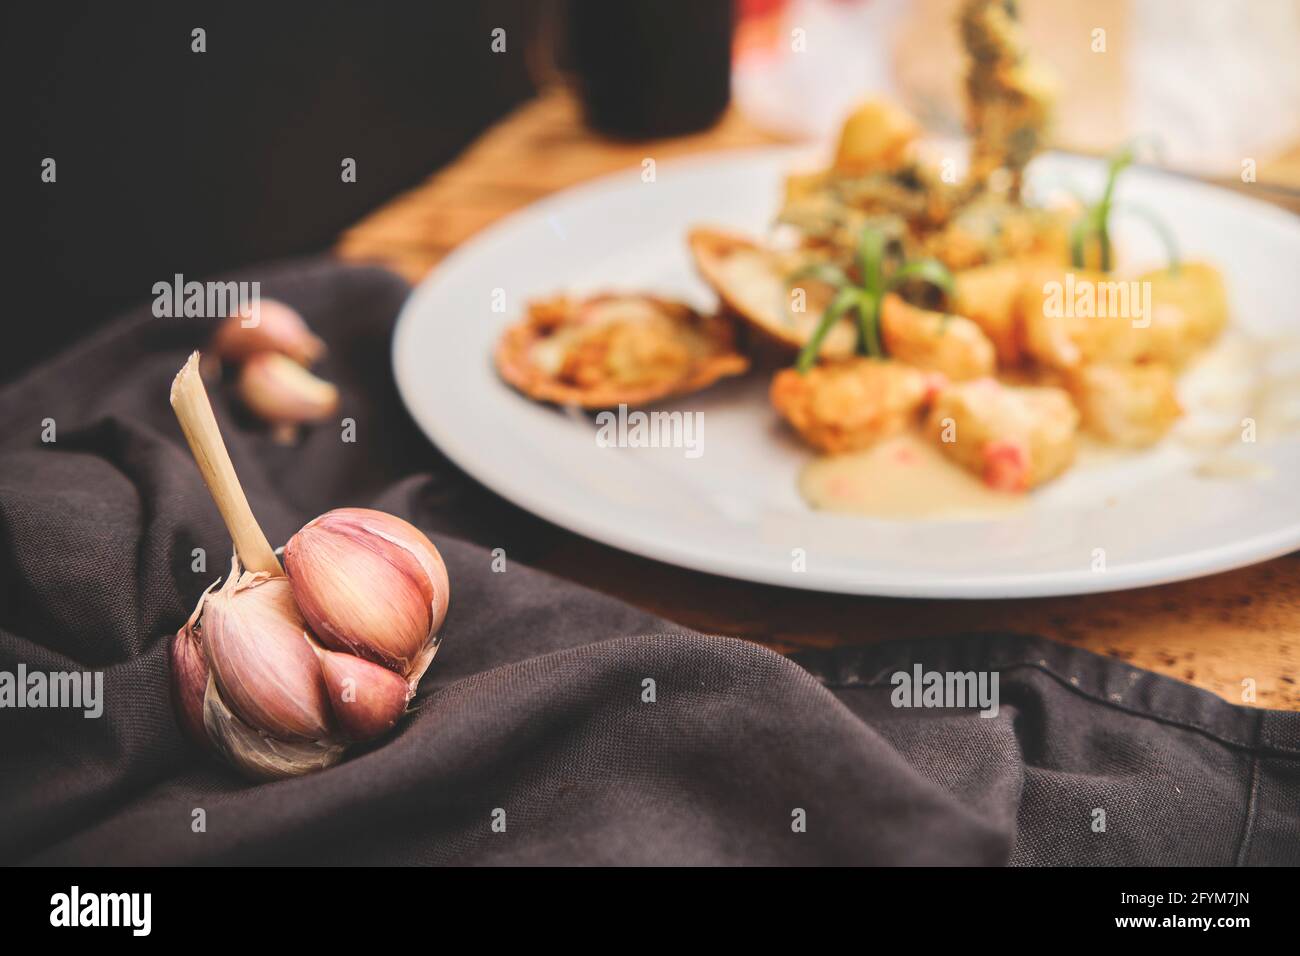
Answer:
(865, 295)
(1095, 220)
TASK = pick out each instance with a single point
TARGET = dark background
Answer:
(172, 161)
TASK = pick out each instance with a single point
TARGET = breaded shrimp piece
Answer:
(1013, 437)
(848, 405)
(1070, 318)
(1189, 309)
(615, 349)
(937, 341)
(989, 296)
(1133, 405)
(1073, 318)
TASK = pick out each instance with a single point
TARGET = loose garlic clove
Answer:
(262, 660)
(280, 391)
(367, 699)
(371, 584)
(270, 327)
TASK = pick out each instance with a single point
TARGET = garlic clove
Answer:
(256, 754)
(278, 328)
(190, 674)
(371, 584)
(367, 699)
(278, 390)
(360, 601)
(189, 683)
(262, 660)
(403, 534)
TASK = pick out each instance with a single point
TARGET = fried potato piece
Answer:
(615, 349)
(876, 136)
(1133, 405)
(1189, 309)
(803, 187)
(755, 284)
(844, 406)
(941, 342)
(1013, 437)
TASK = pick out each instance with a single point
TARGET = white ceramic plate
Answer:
(735, 510)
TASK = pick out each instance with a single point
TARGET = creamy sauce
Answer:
(901, 477)
(1229, 386)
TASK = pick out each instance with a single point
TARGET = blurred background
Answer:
(1211, 82)
(170, 160)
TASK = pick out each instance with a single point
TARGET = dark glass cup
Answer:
(650, 68)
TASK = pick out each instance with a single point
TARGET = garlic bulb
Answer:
(251, 679)
(281, 392)
(271, 326)
(370, 584)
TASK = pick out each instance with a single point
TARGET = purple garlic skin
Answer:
(262, 659)
(372, 585)
(252, 682)
(367, 699)
(271, 327)
(189, 684)
(280, 391)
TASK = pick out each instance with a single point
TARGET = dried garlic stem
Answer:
(194, 411)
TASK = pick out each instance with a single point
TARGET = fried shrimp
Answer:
(1133, 405)
(1189, 309)
(1013, 437)
(1071, 318)
(942, 342)
(845, 406)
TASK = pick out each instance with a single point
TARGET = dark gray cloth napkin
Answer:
(534, 712)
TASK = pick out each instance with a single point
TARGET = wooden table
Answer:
(1216, 632)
